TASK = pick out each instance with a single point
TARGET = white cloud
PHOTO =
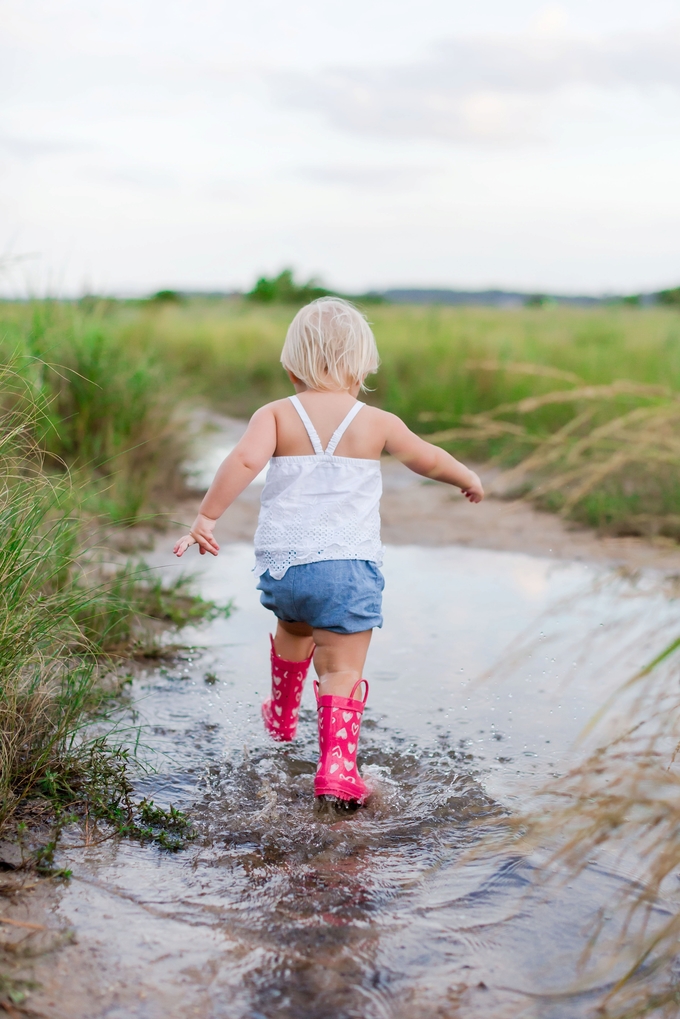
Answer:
(26, 149)
(131, 177)
(367, 177)
(550, 20)
(483, 89)
(140, 146)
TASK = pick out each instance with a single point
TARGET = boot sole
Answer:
(335, 804)
(341, 794)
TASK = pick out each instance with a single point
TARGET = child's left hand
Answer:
(201, 534)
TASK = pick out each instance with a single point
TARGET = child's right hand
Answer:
(201, 534)
(474, 492)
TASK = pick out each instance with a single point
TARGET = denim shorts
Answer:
(341, 595)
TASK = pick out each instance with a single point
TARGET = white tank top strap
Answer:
(319, 508)
(309, 427)
(342, 428)
(311, 430)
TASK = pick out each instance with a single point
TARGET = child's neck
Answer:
(353, 391)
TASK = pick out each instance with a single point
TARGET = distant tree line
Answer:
(283, 289)
(669, 297)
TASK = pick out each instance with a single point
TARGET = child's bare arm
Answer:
(234, 474)
(430, 461)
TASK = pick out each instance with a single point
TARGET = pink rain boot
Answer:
(280, 712)
(339, 726)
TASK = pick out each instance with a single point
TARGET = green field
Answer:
(231, 351)
(486, 383)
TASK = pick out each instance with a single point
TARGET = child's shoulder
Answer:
(384, 418)
(376, 417)
(378, 414)
(267, 409)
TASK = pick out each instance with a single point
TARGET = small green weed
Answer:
(136, 598)
(94, 784)
(15, 992)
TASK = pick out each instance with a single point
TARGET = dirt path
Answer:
(416, 512)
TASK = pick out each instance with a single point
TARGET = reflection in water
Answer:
(215, 437)
(278, 909)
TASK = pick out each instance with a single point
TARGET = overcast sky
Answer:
(168, 143)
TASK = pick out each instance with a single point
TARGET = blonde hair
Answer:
(330, 346)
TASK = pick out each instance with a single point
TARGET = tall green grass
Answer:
(436, 361)
(108, 403)
(62, 620)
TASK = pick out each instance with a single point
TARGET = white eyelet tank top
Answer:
(319, 507)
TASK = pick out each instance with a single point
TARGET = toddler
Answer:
(317, 544)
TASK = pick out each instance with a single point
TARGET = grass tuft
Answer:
(108, 404)
(63, 622)
(614, 465)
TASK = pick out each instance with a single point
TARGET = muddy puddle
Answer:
(487, 669)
